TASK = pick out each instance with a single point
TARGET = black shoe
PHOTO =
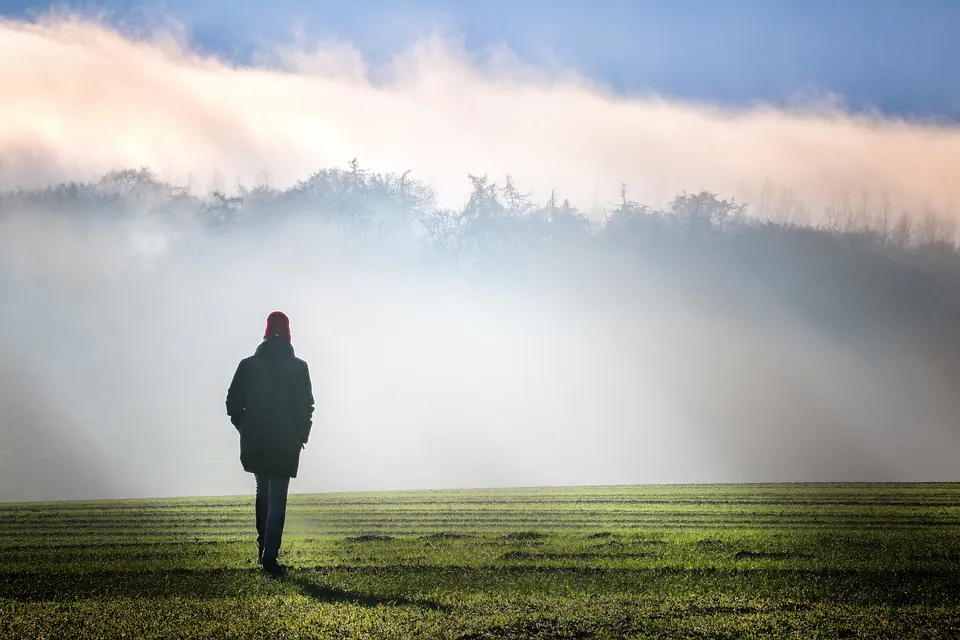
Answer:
(274, 568)
(260, 557)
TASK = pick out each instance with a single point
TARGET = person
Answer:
(270, 402)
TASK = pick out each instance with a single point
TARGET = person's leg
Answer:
(263, 486)
(276, 517)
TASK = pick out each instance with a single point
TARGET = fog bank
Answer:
(573, 370)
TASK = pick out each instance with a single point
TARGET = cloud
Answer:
(81, 98)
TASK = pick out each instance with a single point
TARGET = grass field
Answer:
(727, 561)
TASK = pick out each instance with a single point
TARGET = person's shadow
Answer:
(323, 593)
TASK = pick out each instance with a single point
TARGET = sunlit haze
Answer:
(581, 367)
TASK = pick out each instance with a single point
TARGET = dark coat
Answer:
(270, 402)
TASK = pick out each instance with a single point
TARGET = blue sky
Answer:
(898, 57)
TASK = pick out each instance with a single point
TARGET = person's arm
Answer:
(306, 395)
(236, 397)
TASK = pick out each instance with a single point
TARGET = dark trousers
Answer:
(271, 513)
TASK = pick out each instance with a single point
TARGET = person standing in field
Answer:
(270, 402)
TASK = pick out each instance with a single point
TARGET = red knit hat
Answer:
(278, 324)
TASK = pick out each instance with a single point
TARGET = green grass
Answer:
(718, 561)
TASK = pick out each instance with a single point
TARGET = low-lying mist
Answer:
(630, 355)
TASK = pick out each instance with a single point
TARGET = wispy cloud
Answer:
(81, 97)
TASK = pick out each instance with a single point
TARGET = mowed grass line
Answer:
(712, 561)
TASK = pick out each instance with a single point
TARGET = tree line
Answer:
(862, 270)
